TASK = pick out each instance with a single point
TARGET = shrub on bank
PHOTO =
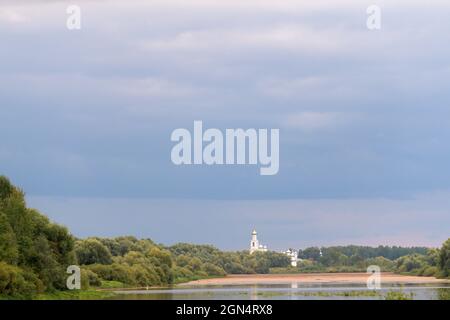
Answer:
(18, 283)
(430, 272)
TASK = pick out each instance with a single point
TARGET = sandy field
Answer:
(331, 278)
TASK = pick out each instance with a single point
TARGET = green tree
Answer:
(444, 258)
(412, 263)
(9, 251)
(18, 283)
(40, 249)
(213, 270)
(310, 253)
(6, 188)
(92, 251)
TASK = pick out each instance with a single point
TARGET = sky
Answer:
(364, 117)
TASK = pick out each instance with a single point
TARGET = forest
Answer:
(419, 261)
(35, 253)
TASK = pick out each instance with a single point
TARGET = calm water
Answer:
(292, 291)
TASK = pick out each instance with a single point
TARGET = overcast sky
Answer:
(364, 118)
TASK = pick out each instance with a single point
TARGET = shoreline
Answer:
(314, 278)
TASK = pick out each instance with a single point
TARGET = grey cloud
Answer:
(90, 113)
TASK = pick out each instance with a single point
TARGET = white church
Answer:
(256, 246)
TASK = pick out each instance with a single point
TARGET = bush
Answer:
(9, 251)
(444, 259)
(113, 272)
(16, 282)
(145, 276)
(89, 278)
(201, 274)
(92, 251)
(411, 263)
(430, 272)
(184, 273)
(213, 270)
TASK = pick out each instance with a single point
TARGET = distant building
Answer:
(254, 244)
(293, 254)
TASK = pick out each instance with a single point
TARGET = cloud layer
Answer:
(362, 115)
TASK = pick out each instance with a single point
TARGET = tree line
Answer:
(420, 261)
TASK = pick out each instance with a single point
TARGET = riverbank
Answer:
(92, 294)
(311, 278)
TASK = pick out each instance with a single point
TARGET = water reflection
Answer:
(294, 291)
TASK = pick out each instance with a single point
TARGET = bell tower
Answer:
(254, 244)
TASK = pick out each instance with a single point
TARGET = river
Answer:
(293, 291)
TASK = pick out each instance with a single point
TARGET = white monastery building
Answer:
(293, 254)
(256, 246)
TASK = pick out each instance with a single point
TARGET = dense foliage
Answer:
(134, 262)
(444, 259)
(201, 260)
(415, 260)
(359, 252)
(34, 253)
